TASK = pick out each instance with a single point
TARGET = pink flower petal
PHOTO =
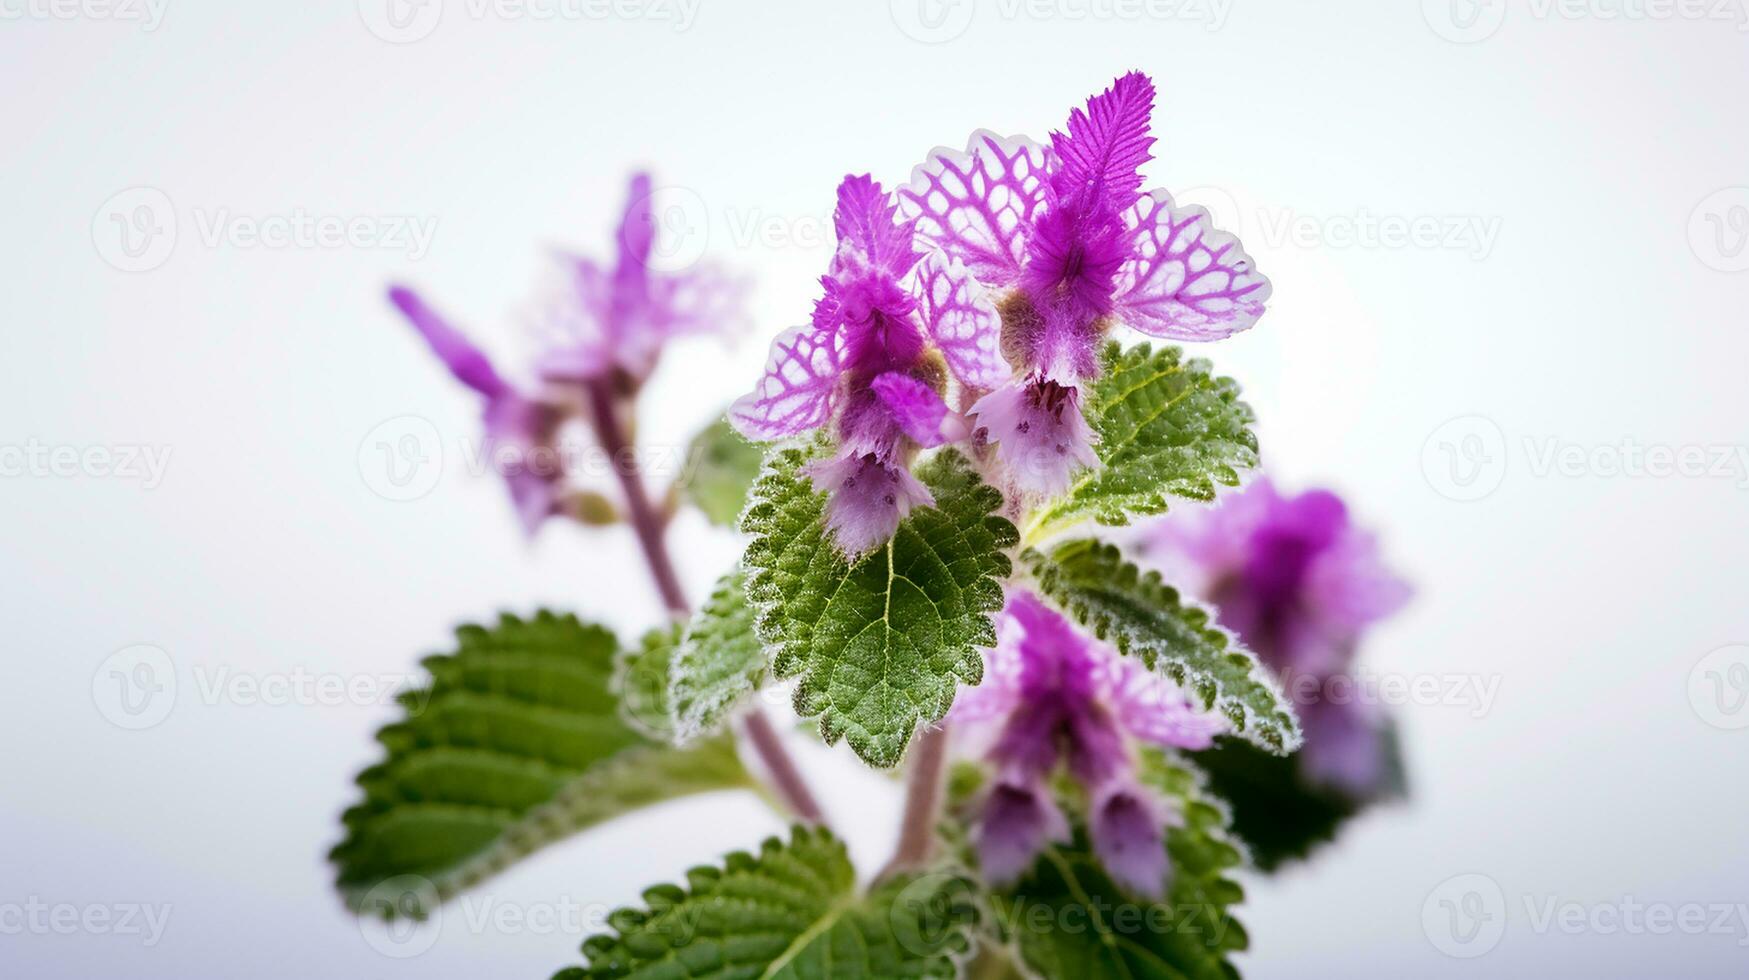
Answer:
(1185, 280)
(962, 321)
(799, 387)
(978, 205)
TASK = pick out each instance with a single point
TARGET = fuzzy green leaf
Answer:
(722, 467)
(1147, 619)
(518, 741)
(720, 662)
(1070, 921)
(640, 682)
(879, 645)
(1167, 427)
(791, 911)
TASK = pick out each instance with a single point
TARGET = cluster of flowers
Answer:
(999, 269)
(1031, 253)
(967, 308)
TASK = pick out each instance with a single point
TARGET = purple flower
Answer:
(890, 329)
(599, 320)
(1070, 243)
(1299, 583)
(1053, 695)
(601, 324)
(525, 426)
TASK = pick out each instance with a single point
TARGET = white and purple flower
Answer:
(601, 326)
(890, 329)
(1070, 245)
(1052, 695)
(1299, 583)
(603, 320)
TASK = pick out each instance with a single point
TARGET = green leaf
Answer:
(720, 662)
(1147, 619)
(518, 741)
(1280, 814)
(790, 911)
(1070, 921)
(1167, 428)
(723, 468)
(640, 681)
(878, 645)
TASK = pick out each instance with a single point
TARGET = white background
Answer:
(1592, 319)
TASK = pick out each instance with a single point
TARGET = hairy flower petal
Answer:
(1128, 831)
(867, 499)
(1017, 822)
(1040, 434)
(915, 407)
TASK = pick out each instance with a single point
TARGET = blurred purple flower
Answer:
(1052, 694)
(600, 320)
(523, 425)
(1299, 583)
(890, 327)
(600, 325)
(1065, 236)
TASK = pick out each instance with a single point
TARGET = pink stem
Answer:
(922, 800)
(649, 527)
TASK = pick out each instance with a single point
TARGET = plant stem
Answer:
(639, 513)
(780, 767)
(922, 800)
(650, 528)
